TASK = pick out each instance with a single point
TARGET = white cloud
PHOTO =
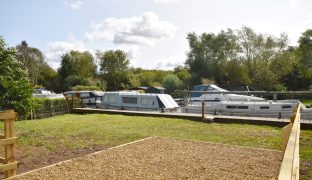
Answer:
(165, 1)
(309, 21)
(144, 29)
(58, 48)
(171, 62)
(133, 52)
(294, 4)
(73, 4)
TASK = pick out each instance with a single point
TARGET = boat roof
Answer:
(166, 99)
(73, 92)
(208, 87)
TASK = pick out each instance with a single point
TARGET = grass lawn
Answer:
(40, 140)
(306, 101)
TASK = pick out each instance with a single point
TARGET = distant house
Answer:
(144, 88)
(156, 89)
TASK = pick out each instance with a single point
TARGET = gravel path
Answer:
(164, 158)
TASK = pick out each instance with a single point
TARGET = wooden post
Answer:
(51, 108)
(274, 97)
(67, 104)
(8, 142)
(72, 101)
(9, 132)
(203, 110)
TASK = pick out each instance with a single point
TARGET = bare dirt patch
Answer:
(163, 158)
(41, 157)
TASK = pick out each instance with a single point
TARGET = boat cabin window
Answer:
(147, 101)
(286, 106)
(84, 94)
(92, 94)
(237, 107)
(130, 100)
(264, 107)
(231, 107)
(110, 98)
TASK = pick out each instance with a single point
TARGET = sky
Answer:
(152, 32)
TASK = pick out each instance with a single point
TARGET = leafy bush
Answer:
(85, 88)
(15, 89)
(41, 106)
(171, 82)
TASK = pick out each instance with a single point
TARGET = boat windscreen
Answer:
(96, 93)
(166, 101)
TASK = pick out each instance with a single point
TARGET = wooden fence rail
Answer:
(291, 133)
(8, 140)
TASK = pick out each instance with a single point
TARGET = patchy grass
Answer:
(41, 138)
(305, 154)
(307, 102)
(78, 131)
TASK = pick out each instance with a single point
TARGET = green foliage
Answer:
(114, 66)
(41, 106)
(171, 82)
(148, 78)
(86, 88)
(38, 71)
(279, 87)
(304, 55)
(239, 57)
(77, 68)
(184, 75)
(15, 89)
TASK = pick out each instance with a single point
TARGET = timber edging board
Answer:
(290, 164)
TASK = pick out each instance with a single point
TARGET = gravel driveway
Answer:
(164, 158)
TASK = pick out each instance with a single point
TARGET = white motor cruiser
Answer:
(240, 105)
(214, 94)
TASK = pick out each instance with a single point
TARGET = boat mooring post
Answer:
(203, 110)
(275, 97)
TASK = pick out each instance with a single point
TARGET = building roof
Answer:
(139, 88)
(158, 87)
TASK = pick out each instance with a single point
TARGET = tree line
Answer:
(108, 71)
(229, 57)
(245, 57)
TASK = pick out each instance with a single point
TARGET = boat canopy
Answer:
(206, 88)
(167, 101)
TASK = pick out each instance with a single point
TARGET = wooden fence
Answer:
(291, 133)
(8, 140)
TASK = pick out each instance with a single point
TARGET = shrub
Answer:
(42, 107)
(15, 89)
(85, 88)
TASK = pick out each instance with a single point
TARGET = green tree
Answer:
(209, 54)
(15, 89)
(264, 55)
(39, 72)
(171, 82)
(304, 54)
(114, 66)
(184, 75)
(77, 68)
(235, 73)
(239, 57)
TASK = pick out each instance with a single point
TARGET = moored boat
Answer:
(137, 101)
